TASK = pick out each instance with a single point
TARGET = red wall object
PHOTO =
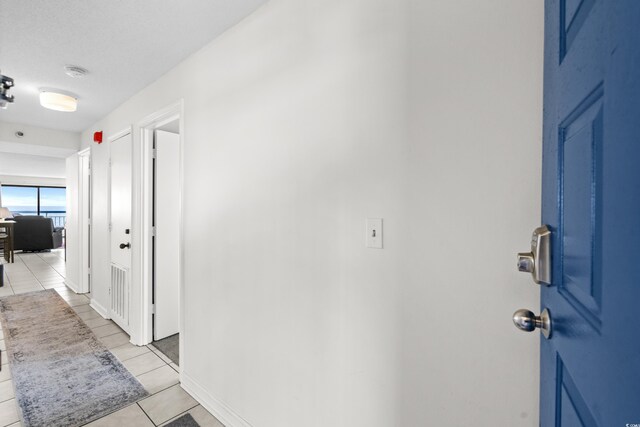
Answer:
(97, 137)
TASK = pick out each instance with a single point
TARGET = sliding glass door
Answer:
(36, 200)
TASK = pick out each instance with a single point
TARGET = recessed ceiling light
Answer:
(58, 101)
(75, 71)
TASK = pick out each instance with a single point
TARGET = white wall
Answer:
(476, 114)
(30, 165)
(33, 135)
(27, 169)
(31, 180)
(38, 158)
(302, 121)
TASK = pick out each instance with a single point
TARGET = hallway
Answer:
(159, 376)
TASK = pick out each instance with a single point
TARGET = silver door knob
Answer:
(526, 321)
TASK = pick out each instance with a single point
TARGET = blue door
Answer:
(590, 366)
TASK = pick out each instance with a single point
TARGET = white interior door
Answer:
(120, 224)
(167, 237)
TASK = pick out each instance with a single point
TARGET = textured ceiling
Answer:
(125, 45)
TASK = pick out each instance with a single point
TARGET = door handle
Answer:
(538, 261)
(123, 245)
(526, 321)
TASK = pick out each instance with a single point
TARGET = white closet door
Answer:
(120, 204)
(167, 244)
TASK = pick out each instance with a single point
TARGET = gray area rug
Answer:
(62, 374)
(184, 421)
(169, 346)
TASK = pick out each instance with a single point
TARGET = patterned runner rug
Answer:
(62, 374)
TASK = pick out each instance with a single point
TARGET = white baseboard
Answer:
(100, 309)
(74, 287)
(218, 409)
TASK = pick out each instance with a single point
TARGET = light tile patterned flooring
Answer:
(39, 271)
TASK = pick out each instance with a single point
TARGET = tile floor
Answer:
(39, 271)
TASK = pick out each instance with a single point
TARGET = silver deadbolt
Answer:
(526, 321)
(538, 261)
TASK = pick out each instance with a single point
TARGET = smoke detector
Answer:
(75, 71)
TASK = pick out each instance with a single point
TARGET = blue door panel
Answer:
(571, 407)
(580, 148)
(573, 14)
(590, 368)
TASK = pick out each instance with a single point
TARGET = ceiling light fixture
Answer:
(6, 83)
(58, 101)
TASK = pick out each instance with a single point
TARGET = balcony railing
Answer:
(58, 220)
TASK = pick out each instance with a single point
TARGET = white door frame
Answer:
(103, 307)
(145, 173)
(84, 220)
(105, 310)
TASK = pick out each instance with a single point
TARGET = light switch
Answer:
(374, 233)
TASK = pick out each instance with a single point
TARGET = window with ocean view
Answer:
(31, 200)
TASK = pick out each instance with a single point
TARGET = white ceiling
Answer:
(125, 45)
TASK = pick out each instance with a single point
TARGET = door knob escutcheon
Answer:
(526, 321)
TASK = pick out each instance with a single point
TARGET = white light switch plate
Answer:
(374, 233)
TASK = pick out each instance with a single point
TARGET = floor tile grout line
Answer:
(52, 265)
(33, 273)
(172, 418)
(107, 336)
(144, 354)
(166, 388)
(159, 391)
(154, 369)
(183, 413)
(161, 355)
(6, 272)
(129, 358)
(6, 400)
(143, 411)
(34, 276)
